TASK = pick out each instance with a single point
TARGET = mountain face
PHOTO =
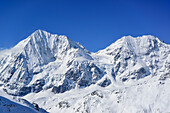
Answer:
(135, 58)
(44, 61)
(48, 65)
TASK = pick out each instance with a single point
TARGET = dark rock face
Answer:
(166, 73)
(61, 88)
(97, 93)
(141, 72)
(36, 106)
(38, 85)
(21, 92)
(24, 91)
(124, 79)
(84, 74)
(63, 104)
(105, 83)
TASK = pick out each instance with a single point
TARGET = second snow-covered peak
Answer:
(140, 45)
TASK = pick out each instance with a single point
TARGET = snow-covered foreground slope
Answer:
(9, 104)
(131, 75)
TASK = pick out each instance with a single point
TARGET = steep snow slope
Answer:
(131, 75)
(9, 104)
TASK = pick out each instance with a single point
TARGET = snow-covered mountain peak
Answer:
(134, 44)
(53, 40)
(40, 37)
(35, 54)
(39, 31)
(131, 56)
(143, 37)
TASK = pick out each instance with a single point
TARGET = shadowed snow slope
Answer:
(8, 106)
(62, 76)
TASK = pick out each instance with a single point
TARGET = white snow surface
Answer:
(131, 75)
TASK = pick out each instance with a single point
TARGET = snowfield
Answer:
(52, 72)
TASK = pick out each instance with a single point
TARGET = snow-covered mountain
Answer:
(131, 75)
(43, 61)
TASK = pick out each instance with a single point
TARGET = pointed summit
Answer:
(43, 40)
(41, 33)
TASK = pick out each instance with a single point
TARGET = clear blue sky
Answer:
(94, 23)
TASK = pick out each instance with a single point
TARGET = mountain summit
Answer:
(40, 53)
(53, 63)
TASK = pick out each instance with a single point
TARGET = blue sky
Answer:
(94, 23)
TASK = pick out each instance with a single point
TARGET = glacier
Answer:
(60, 75)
